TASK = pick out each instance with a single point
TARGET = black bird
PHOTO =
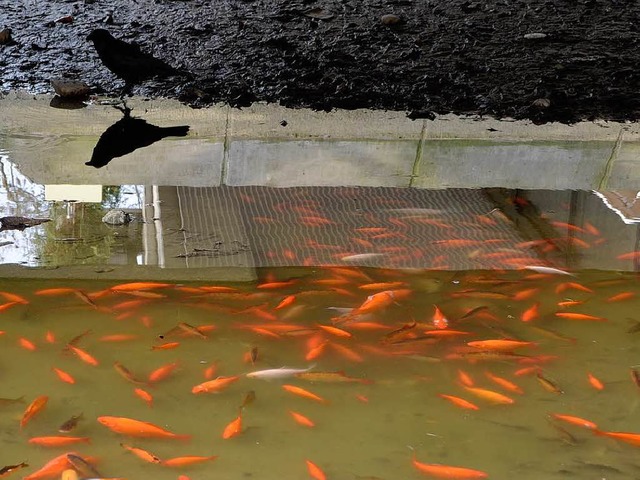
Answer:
(127, 61)
(129, 134)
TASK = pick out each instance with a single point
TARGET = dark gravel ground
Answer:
(461, 56)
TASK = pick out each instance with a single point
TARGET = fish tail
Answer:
(184, 438)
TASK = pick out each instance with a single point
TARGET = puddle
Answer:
(378, 288)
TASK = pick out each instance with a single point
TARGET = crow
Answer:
(129, 134)
(127, 61)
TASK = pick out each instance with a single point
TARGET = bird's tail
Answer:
(180, 131)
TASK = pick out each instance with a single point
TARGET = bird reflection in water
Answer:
(129, 134)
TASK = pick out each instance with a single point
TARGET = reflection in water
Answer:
(385, 359)
(129, 134)
(20, 223)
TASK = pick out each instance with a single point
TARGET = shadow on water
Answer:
(128, 134)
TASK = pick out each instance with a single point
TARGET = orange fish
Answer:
(500, 345)
(595, 382)
(375, 302)
(162, 372)
(137, 428)
(187, 460)
(301, 392)
(27, 344)
(315, 471)
(580, 316)
(465, 379)
(504, 383)
(630, 438)
(490, 395)
(445, 471)
(33, 409)
(530, 313)
(142, 454)
(82, 355)
(216, 385)
(64, 376)
(52, 469)
(439, 319)
(338, 332)
(12, 297)
(620, 297)
(233, 429)
(166, 346)
(286, 301)
(58, 441)
(128, 287)
(581, 422)
(301, 419)
(144, 395)
(118, 337)
(459, 402)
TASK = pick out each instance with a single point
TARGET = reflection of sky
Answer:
(21, 197)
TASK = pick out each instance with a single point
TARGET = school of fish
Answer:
(488, 331)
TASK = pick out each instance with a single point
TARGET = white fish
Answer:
(547, 270)
(359, 257)
(282, 372)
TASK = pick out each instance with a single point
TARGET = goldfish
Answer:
(52, 468)
(162, 372)
(187, 460)
(84, 356)
(580, 316)
(137, 428)
(58, 441)
(338, 332)
(440, 321)
(448, 472)
(286, 301)
(547, 384)
(530, 313)
(331, 377)
(234, 428)
(8, 469)
(626, 437)
(490, 395)
(144, 395)
(301, 392)
(595, 382)
(301, 419)
(216, 385)
(581, 422)
(127, 287)
(459, 402)
(64, 376)
(33, 409)
(315, 471)
(126, 373)
(142, 454)
(27, 344)
(273, 373)
(166, 346)
(500, 345)
(504, 383)
(70, 424)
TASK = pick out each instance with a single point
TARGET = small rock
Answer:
(534, 36)
(284, 123)
(5, 36)
(390, 19)
(65, 19)
(116, 217)
(319, 13)
(108, 19)
(541, 103)
(69, 88)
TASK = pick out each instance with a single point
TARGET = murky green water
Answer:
(366, 428)
(379, 292)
